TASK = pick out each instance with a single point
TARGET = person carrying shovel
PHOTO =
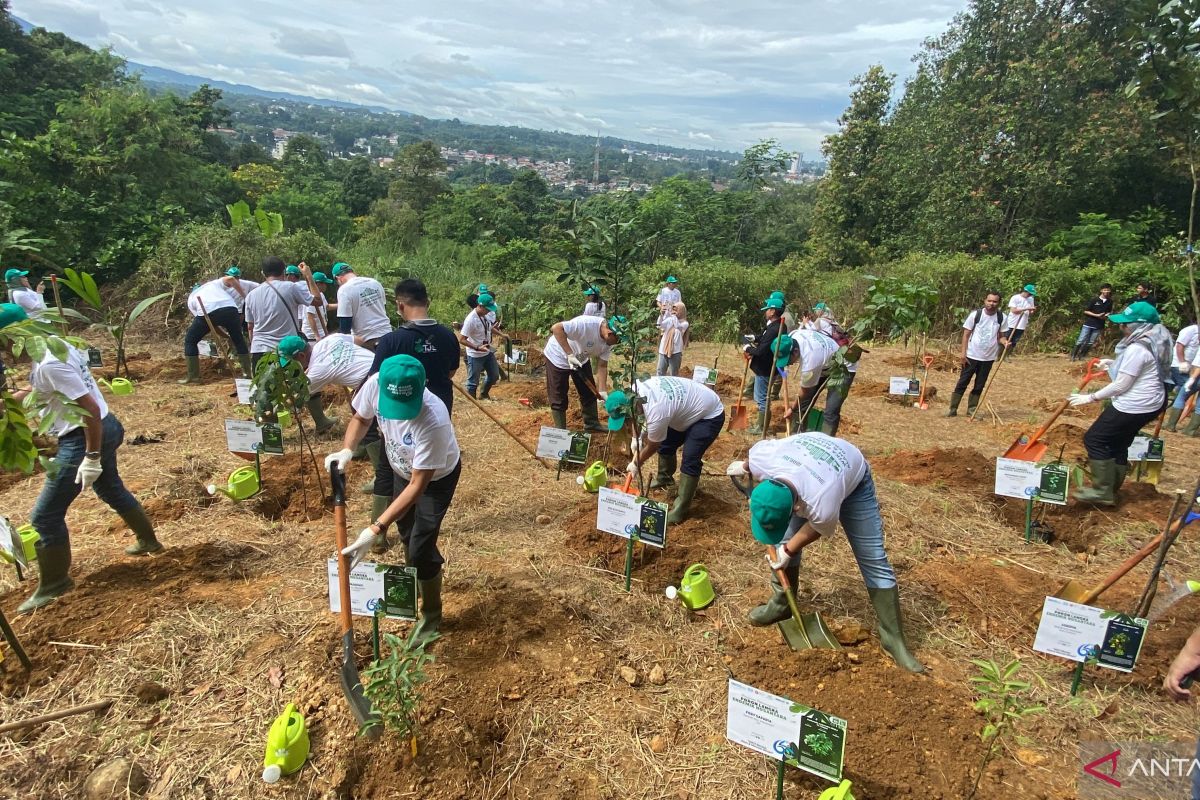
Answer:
(214, 302)
(981, 343)
(1138, 395)
(761, 354)
(419, 443)
(572, 344)
(807, 484)
(1021, 306)
(86, 459)
(677, 413)
(481, 356)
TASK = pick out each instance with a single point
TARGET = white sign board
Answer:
(1082, 633)
(704, 375)
(243, 389)
(1141, 449)
(242, 436)
(1016, 478)
(624, 515)
(367, 588)
(760, 721)
(898, 386)
(553, 442)
(207, 348)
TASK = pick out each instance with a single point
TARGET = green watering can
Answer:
(839, 792)
(243, 483)
(695, 590)
(119, 386)
(29, 538)
(284, 416)
(287, 745)
(595, 477)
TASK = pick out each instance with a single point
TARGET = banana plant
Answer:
(270, 223)
(115, 322)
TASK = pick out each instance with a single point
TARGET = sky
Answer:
(692, 73)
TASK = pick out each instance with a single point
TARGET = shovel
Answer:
(502, 426)
(352, 687)
(739, 415)
(802, 631)
(927, 360)
(1031, 448)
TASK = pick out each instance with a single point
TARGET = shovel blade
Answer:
(1072, 591)
(794, 635)
(1024, 450)
(352, 688)
(1148, 472)
(818, 633)
(739, 417)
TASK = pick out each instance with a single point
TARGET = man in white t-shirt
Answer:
(1138, 397)
(361, 306)
(676, 413)
(1187, 344)
(807, 484)
(1021, 307)
(86, 459)
(273, 308)
(815, 352)
(419, 442)
(477, 336)
(20, 292)
(669, 294)
(217, 300)
(572, 345)
(334, 360)
(239, 287)
(981, 343)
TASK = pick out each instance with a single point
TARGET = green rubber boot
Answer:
(591, 419)
(247, 367)
(1193, 425)
(683, 501)
(374, 452)
(666, 471)
(1119, 473)
(1104, 477)
(429, 626)
(1172, 419)
(559, 418)
(141, 526)
(54, 564)
(955, 399)
(972, 403)
(776, 609)
(193, 368)
(756, 428)
(317, 410)
(379, 504)
(891, 628)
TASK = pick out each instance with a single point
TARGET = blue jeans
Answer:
(1180, 377)
(49, 515)
(669, 365)
(1088, 336)
(860, 517)
(695, 440)
(478, 364)
(760, 393)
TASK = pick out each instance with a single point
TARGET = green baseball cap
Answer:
(482, 289)
(1029, 287)
(772, 302)
(288, 347)
(233, 272)
(777, 296)
(820, 307)
(591, 290)
(672, 279)
(321, 277)
(784, 354)
(620, 326)
(292, 269)
(10, 313)
(487, 301)
(401, 387)
(770, 511)
(13, 274)
(341, 268)
(617, 407)
(1137, 312)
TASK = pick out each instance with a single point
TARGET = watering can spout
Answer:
(839, 792)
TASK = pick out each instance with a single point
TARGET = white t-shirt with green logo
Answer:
(425, 442)
(676, 403)
(822, 471)
(364, 302)
(583, 334)
(337, 360)
(60, 381)
(816, 351)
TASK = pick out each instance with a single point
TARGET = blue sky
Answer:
(685, 72)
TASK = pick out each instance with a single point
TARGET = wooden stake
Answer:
(44, 718)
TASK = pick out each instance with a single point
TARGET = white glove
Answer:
(341, 458)
(632, 468)
(359, 549)
(783, 558)
(737, 469)
(87, 472)
(746, 348)
(603, 395)
(1104, 364)
(1190, 385)
(1082, 399)
(573, 362)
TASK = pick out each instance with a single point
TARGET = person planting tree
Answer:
(86, 459)
(1021, 306)
(238, 288)
(677, 413)
(22, 294)
(981, 343)
(216, 299)
(807, 483)
(361, 306)
(837, 389)
(481, 356)
(813, 351)
(1138, 395)
(761, 354)
(333, 361)
(1095, 314)
(1187, 346)
(571, 345)
(420, 446)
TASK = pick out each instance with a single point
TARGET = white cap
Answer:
(272, 773)
(672, 592)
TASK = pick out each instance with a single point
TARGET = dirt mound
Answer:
(1081, 527)
(908, 399)
(284, 497)
(960, 467)
(942, 361)
(992, 596)
(518, 388)
(868, 388)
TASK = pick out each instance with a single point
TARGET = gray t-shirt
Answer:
(272, 309)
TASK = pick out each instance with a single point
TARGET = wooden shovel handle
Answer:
(1130, 563)
(502, 426)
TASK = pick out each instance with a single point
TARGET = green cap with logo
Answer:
(772, 302)
(482, 289)
(820, 307)
(13, 274)
(1140, 311)
(401, 387)
(1029, 287)
(617, 407)
(288, 347)
(341, 268)
(10, 313)
(777, 296)
(292, 269)
(783, 354)
(672, 279)
(591, 291)
(487, 301)
(620, 326)
(770, 511)
(233, 272)
(321, 277)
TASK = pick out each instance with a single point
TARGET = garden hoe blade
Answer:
(1031, 448)
(352, 686)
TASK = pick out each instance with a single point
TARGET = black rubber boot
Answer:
(473, 391)
(140, 524)
(1104, 476)
(193, 370)
(776, 609)
(429, 626)
(1075, 352)
(54, 580)
(485, 390)
(683, 501)
(591, 419)
(379, 504)
(666, 471)
(247, 366)
(756, 429)
(972, 403)
(317, 410)
(891, 628)
(559, 418)
(1173, 415)
(955, 399)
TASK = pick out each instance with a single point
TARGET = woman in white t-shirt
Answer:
(1138, 397)
(674, 326)
(594, 307)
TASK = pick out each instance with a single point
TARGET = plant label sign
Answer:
(517, 357)
(242, 436)
(272, 439)
(628, 515)
(207, 348)
(1016, 478)
(243, 390)
(1088, 634)
(785, 731)
(704, 375)
(557, 443)
(902, 386)
(94, 358)
(389, 588)
(1146, 448)
(1055, 481)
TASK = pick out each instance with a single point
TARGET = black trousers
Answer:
(556, 386)
(227, 319)
(1113, 432)
(695, 441)
(976, 369)
(422, 523)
